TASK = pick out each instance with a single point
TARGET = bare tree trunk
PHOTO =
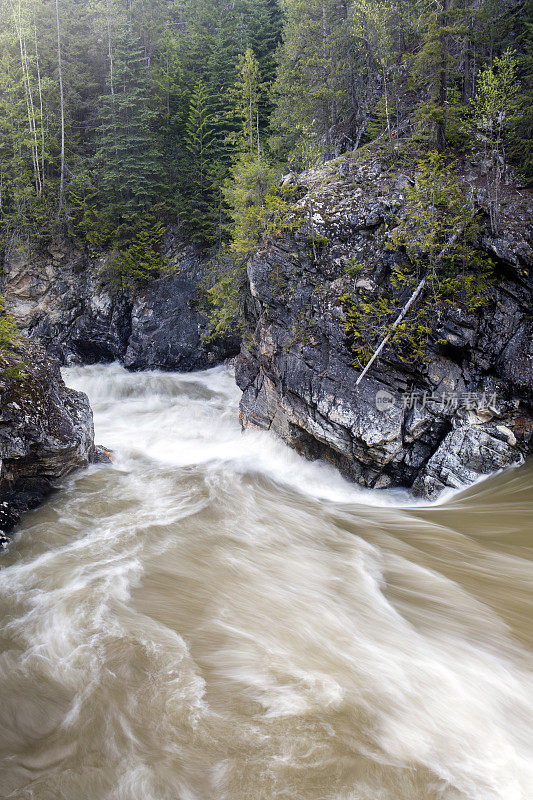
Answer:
(33, 127)
(443, 81)
(29, 99)
(62, 111)
(387, 112)
(398, 320)
(449, 244)
(39, 84)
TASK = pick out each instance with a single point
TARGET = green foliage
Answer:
(436, 209)
(353, 267)
(201, 217)
(8, 329)
(225, 294)
(438, 233)
(521, 132)
(137, 257)
(257, 207)
(495, 107)
(247, 94)
(496, 98)
(315, 72)
(375, 26)
(158, 98)
(307, 150)
(130, 171)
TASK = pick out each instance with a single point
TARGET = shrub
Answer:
(8, 328)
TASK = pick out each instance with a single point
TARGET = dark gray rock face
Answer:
(464, 413)
(168, 325)
(59, 300)
(46, 430)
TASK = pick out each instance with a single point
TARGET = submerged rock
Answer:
(463, 413)
(46, 430)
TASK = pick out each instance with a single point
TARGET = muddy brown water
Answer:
(213, 618)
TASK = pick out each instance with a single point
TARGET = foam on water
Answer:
(214, 618)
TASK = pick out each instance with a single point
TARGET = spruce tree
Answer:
(521, 133)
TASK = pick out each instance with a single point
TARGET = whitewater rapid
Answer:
(214, 618)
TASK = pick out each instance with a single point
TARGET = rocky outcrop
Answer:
(46, 431)
(168, 326)
(57, 299)
(463, 412)
(60, 299)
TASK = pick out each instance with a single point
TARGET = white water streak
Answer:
(213, 618)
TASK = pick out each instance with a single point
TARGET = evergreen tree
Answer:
(314, 78)
(248, 91)
(112, 109)
(374, 26)
(129, 165)
(199, 143)
(521, 143)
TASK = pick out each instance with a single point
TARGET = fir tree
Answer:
(314, 77)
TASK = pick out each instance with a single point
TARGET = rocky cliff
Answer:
(59, 297)
(442, 421)
(46, 430)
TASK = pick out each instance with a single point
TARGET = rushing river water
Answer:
(213, 618)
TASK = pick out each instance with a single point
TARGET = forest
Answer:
(119, 117)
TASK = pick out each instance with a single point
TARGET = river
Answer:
(214, 618)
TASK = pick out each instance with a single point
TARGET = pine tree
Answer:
(521, 134)
(248, 91)
(374, 27)
(314, 78)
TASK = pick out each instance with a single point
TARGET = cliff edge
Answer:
(460, 410)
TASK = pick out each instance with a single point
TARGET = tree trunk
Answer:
(387, 111)
(39, 84)
(449, 244)
(62, 112)
(443, 80)
(29, 100)
(395, 324)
